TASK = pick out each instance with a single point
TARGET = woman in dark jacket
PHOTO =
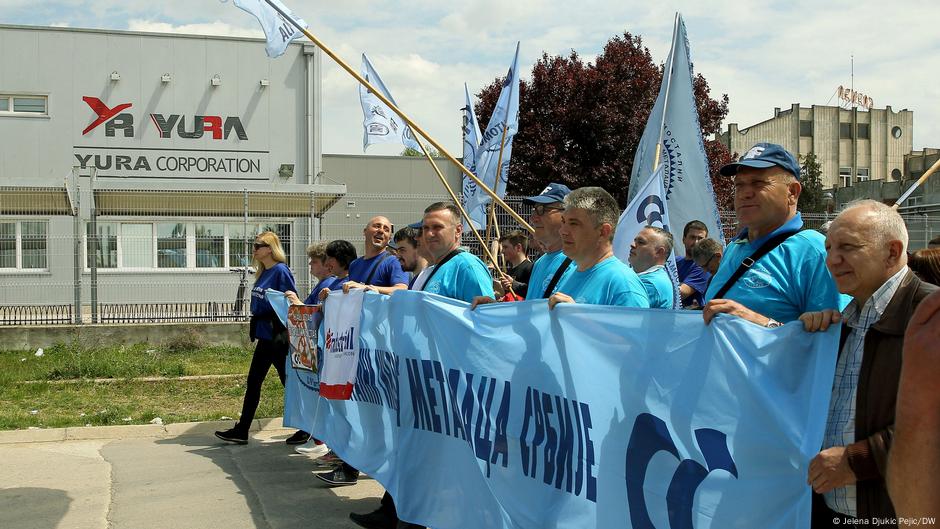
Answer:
(273, 344)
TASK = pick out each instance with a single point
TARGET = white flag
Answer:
(277, 29)
(648, 208)
(688, 182)
(380, 124)
(341, 320)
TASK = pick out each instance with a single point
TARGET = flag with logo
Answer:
(380, 124)
(471, 141)
(495, 149)
(278, 30)
(648, 208)
(341, 317)
(674, 119)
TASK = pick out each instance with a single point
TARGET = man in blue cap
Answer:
(772, 272)
(553, 265)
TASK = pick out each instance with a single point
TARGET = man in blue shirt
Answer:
(792, 277)
(553, 266)
(457, 275)
(587, 234)
(377, 270)
(693, 280)
(649, 252)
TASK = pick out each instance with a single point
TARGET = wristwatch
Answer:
(773, 324)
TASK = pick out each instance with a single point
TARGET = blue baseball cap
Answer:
(553, 193)
(762, 156)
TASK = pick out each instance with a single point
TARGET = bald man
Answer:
(377, 270)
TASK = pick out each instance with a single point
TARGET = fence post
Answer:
(93, 258)
(77, 240)
(926, 229)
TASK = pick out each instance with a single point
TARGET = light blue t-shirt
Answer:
(659, 287)
(609, 282)
(463, 277)
(788, 281)
(543, 271)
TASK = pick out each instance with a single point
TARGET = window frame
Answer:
(18, 246)
(11, 111)
(845, 173)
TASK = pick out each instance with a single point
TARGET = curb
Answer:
(133, 431)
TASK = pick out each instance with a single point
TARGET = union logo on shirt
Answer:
(757, 277)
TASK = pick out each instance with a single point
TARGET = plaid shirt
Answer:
(840, 427)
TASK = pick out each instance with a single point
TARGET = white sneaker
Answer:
(310, 448)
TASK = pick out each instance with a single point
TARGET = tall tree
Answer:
(580, 123)
(812, 198)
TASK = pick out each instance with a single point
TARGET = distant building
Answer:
(851, 145)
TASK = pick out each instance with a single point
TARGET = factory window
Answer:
(895, 174)
(167, 245)
(806, 128)
(27, 105)
(24, 244)
(845, 131)
(845, 176)
(864, 131)
(862, 174)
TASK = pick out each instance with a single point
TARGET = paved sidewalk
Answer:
(177, 476)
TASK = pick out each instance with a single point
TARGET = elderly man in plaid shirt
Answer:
(866, 252)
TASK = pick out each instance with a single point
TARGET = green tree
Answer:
(812, 198)
(415, 153)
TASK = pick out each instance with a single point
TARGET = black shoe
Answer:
(233, 436)
(408, 525)
(300, 437)
(339, 477)
(377, 519)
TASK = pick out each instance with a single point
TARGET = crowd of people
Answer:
(880, 457)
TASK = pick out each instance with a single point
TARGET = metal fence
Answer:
(146, 257)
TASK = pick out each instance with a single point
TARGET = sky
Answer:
(762, 54)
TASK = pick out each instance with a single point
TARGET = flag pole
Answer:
(336, 58)
(672, 65)
(918, 183)
(453, 197)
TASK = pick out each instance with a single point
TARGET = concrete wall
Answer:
(30, 337)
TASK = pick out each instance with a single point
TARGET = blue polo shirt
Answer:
(463, 277)
(388, 272)
(279, 278)
(658, 287)
(609, 282)
(692, 274)
(543, 271)
(788, 281)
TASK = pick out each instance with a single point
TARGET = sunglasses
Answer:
(542, 209)
(260, 245)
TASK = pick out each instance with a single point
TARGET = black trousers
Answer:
(266, 353)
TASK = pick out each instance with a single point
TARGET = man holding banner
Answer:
(772, 272)
(587, 233)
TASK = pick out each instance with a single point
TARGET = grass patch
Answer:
(31, 396)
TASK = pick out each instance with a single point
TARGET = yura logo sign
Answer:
(650, 436)
(190, 128)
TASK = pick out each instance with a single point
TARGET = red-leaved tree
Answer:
(580, 123)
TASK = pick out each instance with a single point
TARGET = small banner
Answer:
(342, 313)
(303, 321)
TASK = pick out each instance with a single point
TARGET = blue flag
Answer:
(380, 124)
(488, 167)
(514, 416)
(471, 141)
(687, 178)
(648, 208)
(277, 29)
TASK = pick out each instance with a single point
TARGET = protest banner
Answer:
(584, 416)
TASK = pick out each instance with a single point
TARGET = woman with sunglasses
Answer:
(271, 272)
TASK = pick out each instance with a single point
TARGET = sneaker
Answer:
(339, 477)
(312, 449)
(377, 519)
(233, 436)
(328, 458)
(300, 437)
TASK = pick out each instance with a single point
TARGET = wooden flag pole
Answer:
(414, 126)
(923, 178)
(453, 197)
